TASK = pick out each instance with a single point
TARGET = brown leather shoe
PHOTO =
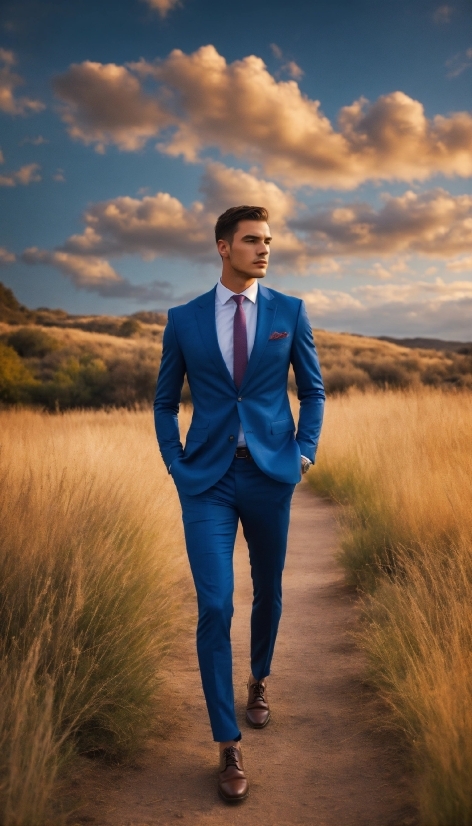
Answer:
(232, 782)
(257, 709)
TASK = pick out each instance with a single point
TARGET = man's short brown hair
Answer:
(227, 223)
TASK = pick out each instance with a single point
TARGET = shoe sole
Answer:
(232, 800)
(248, 721)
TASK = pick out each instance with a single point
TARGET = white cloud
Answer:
(162, 6)
(95, 274)
(27, 174)
(290, 137)
(207, 102)
(433, 223)
(289, 66)
(223, 187)
(422, 308)
(328, 266)
(106, 104)
(35, 141)
(6, 257)
(153, 225)
(160, 225)
(9, 80)
(293, 69)
(459, 63)
(379, 271)
(322, 303)
(461, 265)
(443, 14)
(82, 270)
(440, 290)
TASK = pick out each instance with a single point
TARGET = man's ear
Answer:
(223, 248)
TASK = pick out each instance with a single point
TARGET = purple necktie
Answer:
(239, 341)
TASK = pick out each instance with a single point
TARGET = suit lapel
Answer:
(206, 320)
(266, 310)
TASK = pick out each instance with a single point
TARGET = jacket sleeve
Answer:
(167, 399)
(310, 388)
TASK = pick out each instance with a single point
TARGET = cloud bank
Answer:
(431, 308)
(433, 224)
(95, 274)
(200, 101)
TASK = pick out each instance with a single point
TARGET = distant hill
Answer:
(12, 312)
(54, 360)
(464, 347)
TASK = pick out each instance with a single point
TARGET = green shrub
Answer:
(386, 373)
(340, 379)
(129, 328)
(77, 382)
(16, 380)
(32, 342)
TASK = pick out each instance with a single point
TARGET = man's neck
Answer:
(236, 283)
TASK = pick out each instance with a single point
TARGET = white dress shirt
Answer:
(225, 309)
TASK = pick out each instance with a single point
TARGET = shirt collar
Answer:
(225, 295)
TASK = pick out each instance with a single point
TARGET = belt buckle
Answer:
(242, 453)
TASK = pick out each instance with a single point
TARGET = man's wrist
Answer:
(306, 464)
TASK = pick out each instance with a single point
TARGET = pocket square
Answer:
(273, 336)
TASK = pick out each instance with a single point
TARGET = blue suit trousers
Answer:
(210, 522)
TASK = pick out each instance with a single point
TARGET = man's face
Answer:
(249, 251)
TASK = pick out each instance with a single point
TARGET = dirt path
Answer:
(319, 761)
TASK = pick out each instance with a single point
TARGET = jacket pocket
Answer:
(282, 426)
(198, 434)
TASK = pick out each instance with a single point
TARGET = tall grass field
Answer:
(91, 568)
(400, 464)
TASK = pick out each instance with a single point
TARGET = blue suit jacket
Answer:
(261, 404)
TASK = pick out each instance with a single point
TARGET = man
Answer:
(241, 459)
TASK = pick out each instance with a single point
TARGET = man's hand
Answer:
(306, 464)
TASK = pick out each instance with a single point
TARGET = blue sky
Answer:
(127, 127)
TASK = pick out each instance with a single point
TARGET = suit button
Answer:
(240, 399)
(231, 439)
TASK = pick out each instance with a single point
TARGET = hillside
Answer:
(12, 312)
(55, 360)
(350, 360)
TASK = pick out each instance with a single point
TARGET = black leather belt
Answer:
(242, 453)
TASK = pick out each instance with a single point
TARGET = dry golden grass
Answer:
(401, 465)
(91, 566)
(102, 345)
